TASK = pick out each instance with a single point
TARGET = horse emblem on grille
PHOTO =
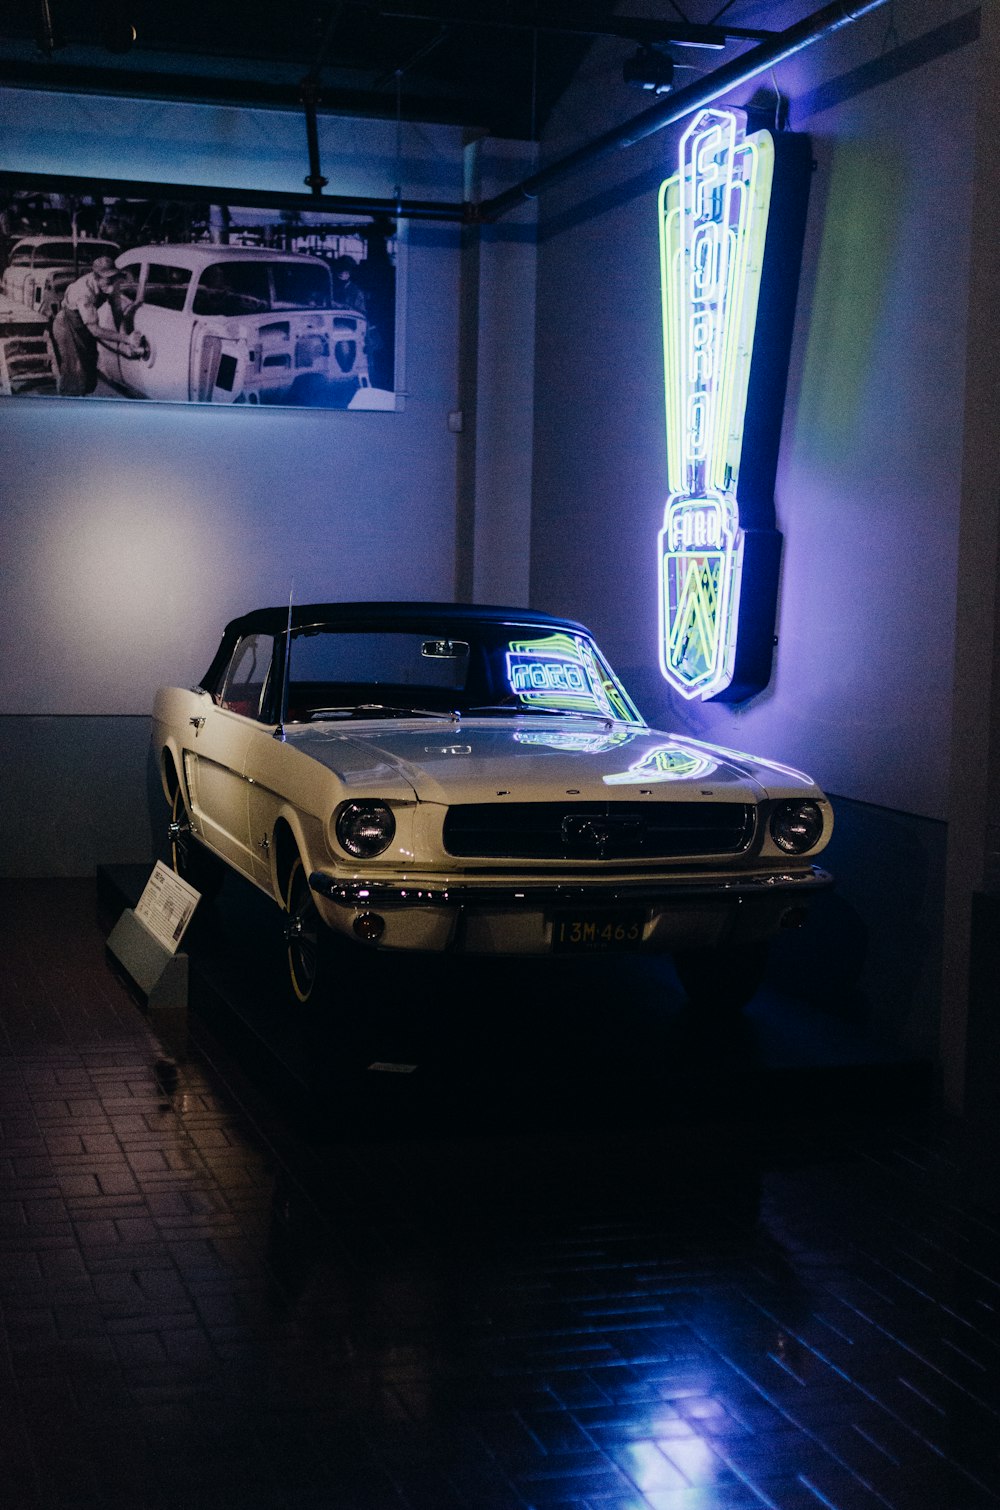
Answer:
(592, 837)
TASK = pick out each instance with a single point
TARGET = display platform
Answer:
(506, 1042)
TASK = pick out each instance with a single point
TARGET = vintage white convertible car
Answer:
(234, 324)
(425, 776)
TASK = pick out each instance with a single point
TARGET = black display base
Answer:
(447, 1042)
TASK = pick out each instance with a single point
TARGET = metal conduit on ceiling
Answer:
(741, 70)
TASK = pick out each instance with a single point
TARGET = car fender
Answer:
(309, 838)
(174, 709)
(285, 787)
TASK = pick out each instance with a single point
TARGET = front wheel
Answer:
(722, 980)
(307, 944)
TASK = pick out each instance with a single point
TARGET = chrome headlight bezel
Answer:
(796, 825)
(364, 828)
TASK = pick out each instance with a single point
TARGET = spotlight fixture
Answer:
(650, 68)
(116, 25)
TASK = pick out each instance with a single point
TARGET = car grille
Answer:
(598, 830)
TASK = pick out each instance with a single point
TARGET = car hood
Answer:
(533, 758)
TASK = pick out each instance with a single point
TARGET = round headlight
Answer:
(365, 828)
(796, 826)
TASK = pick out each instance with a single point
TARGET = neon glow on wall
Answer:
(713, 219)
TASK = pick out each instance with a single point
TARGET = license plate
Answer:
(596, 932)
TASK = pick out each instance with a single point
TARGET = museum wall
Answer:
(499, 564)
(130, 532)
(868, 487)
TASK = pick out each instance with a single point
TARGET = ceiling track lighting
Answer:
(650, 68)
(116, 26)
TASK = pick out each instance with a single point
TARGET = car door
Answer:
(265, 760)
(218, 754)
(161, 317)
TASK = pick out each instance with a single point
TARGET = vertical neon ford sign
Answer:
(732, 220)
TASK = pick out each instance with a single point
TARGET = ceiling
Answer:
(495, 68)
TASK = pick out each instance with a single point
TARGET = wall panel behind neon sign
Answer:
(732, 221)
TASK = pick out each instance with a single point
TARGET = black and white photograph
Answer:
(200, 300)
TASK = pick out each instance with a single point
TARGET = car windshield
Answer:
(255, 287)
(62, 254)
(451, 667)
(73, 254)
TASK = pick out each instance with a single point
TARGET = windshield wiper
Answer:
(378, 710)
(536, 711)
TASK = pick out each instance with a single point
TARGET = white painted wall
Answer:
(143, 527)
(505, 382)
(221, 145)
(130, 532)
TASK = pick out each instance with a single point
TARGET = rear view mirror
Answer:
(445, 650)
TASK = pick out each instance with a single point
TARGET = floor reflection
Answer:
(580, 1259)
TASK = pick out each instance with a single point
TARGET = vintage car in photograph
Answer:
(426, 776)
(40, 269)
(234, 324)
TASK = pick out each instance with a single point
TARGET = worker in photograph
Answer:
(77, 331)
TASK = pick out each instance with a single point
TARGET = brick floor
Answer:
(205, 1305)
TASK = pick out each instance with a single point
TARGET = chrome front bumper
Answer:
(369, 894)
(503, 917)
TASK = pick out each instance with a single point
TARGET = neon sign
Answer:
(529, 675)
(724, 259)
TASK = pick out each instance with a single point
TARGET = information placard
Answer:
(166, 905)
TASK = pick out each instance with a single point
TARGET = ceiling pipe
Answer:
(747, 66)
(739, 71)
(310, 93)
(314, 178)
(47, 38)
(629, 28)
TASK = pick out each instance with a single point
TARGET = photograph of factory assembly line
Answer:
(114, 295)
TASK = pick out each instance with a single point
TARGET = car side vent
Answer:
(598, 830)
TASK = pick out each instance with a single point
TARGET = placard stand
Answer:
(159, 976)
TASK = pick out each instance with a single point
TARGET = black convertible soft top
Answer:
(376, 615)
